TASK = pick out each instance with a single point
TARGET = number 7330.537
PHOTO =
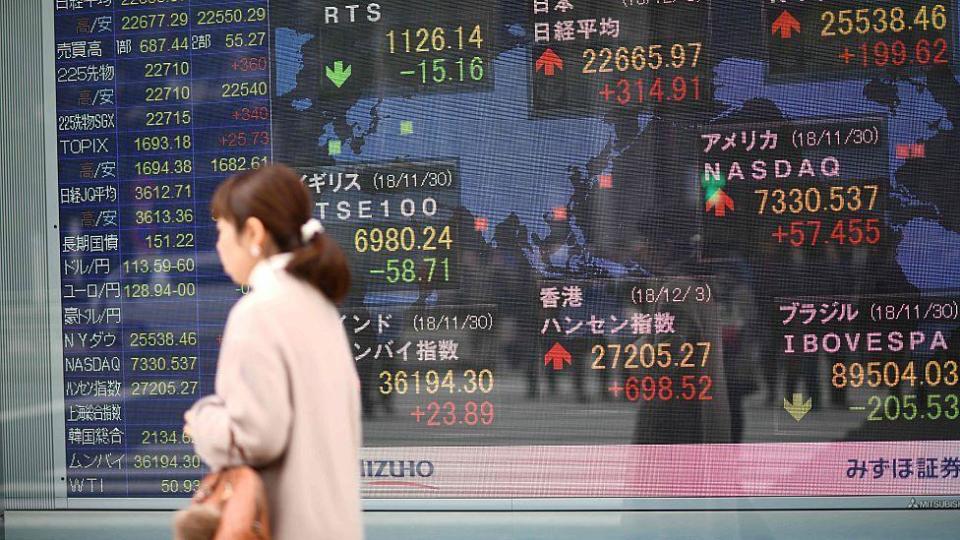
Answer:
(813, 200)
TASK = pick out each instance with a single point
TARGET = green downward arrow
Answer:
(338, 75)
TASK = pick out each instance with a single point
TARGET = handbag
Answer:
(229, 505)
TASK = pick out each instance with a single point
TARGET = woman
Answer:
(287, 396)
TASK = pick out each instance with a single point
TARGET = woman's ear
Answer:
(254, 233)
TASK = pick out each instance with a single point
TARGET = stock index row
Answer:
(570, 223)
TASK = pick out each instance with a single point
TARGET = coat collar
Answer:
(267, 273)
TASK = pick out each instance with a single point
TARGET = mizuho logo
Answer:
(389, 468)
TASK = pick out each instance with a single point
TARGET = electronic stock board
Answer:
(605, 248)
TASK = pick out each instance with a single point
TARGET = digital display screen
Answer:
(600, 248)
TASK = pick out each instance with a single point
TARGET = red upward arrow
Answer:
(549, 61)
(558, 356)
(786, 24)
(720, 203)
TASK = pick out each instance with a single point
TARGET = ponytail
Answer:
(321, 263)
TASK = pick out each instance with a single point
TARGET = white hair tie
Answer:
(310, 229)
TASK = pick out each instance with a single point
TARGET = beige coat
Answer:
(287, 389)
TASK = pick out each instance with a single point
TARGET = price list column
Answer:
(231, 102)
(189, 79)
(89, 194)
(232, 123)
(156, 105)
(231, 81)
(158, 243)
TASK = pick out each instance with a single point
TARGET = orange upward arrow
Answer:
(786, 24)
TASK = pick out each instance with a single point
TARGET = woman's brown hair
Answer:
(275, 195)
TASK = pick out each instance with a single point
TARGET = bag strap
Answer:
(261, 509)
(205, 492)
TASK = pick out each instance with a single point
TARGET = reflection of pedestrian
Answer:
(517, 299)
(475, 283)
(706, 418)
(362, 332)
(287, 399)
(369, 368)
(772, 281)
(580, 358)
(736, 302)
(735, 392)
